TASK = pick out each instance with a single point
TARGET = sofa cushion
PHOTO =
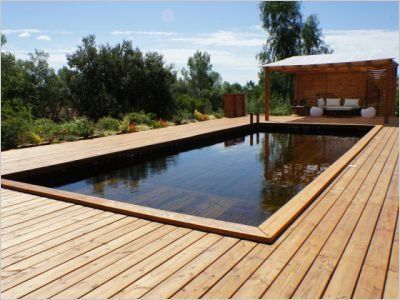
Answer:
(333, 102)
(342, 108)
(320, 102)
(352, 102)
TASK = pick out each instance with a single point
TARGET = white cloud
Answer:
(374, 42)
(167, 15)
(24, 34)
(20, 31)
(225, 38)
(43, 38)
(144, 33)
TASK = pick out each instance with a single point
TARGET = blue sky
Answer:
(229, 31)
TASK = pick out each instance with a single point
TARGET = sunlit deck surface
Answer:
(344, 245)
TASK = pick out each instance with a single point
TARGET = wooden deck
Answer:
(344, 245)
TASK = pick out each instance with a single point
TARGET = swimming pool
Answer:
(243, 177)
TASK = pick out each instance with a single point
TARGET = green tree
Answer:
(202, 82)
(312, 38)
(282, 21)
(200, 75)
(112, 80)
(287, 36)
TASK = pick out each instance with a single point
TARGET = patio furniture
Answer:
(369, 112)
(333, 107)
(316, 111)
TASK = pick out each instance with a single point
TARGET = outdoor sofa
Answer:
(332, 106)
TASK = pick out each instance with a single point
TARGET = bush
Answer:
(16, 120)
(280, 106)
(200, 117)
(218, 114)
(32, 138)
(107, 124)
(182, 117)
(46, 129)
(13, 131)
(142, 118)
(142, 127)
(70, 138)
(125, 126)
(161, 124)
(78, 127)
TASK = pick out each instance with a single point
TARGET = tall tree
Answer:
(282, 21)
(202, 81)
(287, 36)
(200, 75)
(312, 38)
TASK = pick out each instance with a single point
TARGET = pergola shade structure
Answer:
(371, 79)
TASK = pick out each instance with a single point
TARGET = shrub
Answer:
(218, 114)
(142, 127)
(16, 119)
(125, 126)
(78, 127)
(142, 118)
(200, 117)
(161, 124)
(32, 138)
(13, 131)
(70, 138)
(107, 124)
(46, 129)
(182, 117)
(280, 106)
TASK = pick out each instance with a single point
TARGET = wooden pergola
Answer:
(373, 80)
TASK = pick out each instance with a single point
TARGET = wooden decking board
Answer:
(59, 236)
(166, 285)
(25, 216)
(206, 279)
(347, 209)
(392, 277)
(70, 265)
(139, 287)
(110, 270)
(50, 242)
(19, 235)
(346, 241)
(50, 269)
(371, 281)
(127, 276)
(346, 273)
(37, 264)
(256, 285)
(76, 280)
(55, 216)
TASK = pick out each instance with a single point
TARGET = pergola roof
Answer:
(334, 61)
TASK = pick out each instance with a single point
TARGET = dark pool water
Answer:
(243, 180)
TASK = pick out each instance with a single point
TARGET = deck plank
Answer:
(346, 274)
(373, 274)
(347, 211)
(392, 277)
(345, 244)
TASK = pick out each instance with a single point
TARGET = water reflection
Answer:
(243, 180)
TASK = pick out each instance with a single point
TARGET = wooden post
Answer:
(267, 93)
(251, 120)
(390, 93)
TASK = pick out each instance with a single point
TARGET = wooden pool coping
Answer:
(267, 232)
